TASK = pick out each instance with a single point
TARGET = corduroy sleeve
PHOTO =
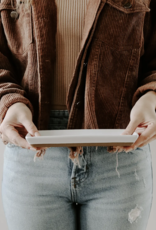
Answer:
(147, 67)
(10, 90)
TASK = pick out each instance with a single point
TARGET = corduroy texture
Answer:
(70, 19)
(115, 66)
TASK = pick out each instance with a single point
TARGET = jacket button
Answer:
(85, 64)
(127, 5)
(78, 104)
(14, 14)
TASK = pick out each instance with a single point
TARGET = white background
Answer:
(152, 219)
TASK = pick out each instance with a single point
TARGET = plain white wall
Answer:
(152, 219)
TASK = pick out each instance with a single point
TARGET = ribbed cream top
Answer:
(70, 20)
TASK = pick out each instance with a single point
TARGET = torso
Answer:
(70, 19)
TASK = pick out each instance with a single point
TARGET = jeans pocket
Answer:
(10, 145)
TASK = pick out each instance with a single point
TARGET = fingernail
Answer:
(32, 148)
(128, 150)
(37, 134)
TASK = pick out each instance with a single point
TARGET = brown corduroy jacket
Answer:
(115, 66)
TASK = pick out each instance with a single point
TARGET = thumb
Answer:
(31, 128)
(130, 129)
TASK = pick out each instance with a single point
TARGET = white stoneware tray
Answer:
(81, 137)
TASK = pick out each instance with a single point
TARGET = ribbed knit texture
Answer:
(70, 21)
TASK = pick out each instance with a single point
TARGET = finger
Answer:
(148, 133)
(30, 127)
(131, 127)
(4, 138)
(113, 150)
(13, 136)
(110, 149)
(117, 149)
(148, 141)
(39, 148)
(33, 131)
(138, 130)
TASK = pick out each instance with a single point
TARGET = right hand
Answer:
(16, 124)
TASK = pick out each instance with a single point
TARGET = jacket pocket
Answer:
(110, 80)
(18, 31)
(121, 23)
(129, 6)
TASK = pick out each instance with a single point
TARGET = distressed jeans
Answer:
(109, 191)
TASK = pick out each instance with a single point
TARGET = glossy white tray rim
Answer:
(81, 136)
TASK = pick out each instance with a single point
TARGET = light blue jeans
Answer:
(109, 191)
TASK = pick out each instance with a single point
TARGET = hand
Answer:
(16, 124)
(142, 121)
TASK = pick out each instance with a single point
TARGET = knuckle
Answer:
(4, 127)
(32, 126)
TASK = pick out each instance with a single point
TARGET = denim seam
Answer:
(89, 154)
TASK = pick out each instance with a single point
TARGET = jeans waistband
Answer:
(58, 119)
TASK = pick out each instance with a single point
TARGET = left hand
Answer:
(143, 122)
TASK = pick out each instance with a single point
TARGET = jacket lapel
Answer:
(92, 9)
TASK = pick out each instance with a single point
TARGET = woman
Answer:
(113, 63)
